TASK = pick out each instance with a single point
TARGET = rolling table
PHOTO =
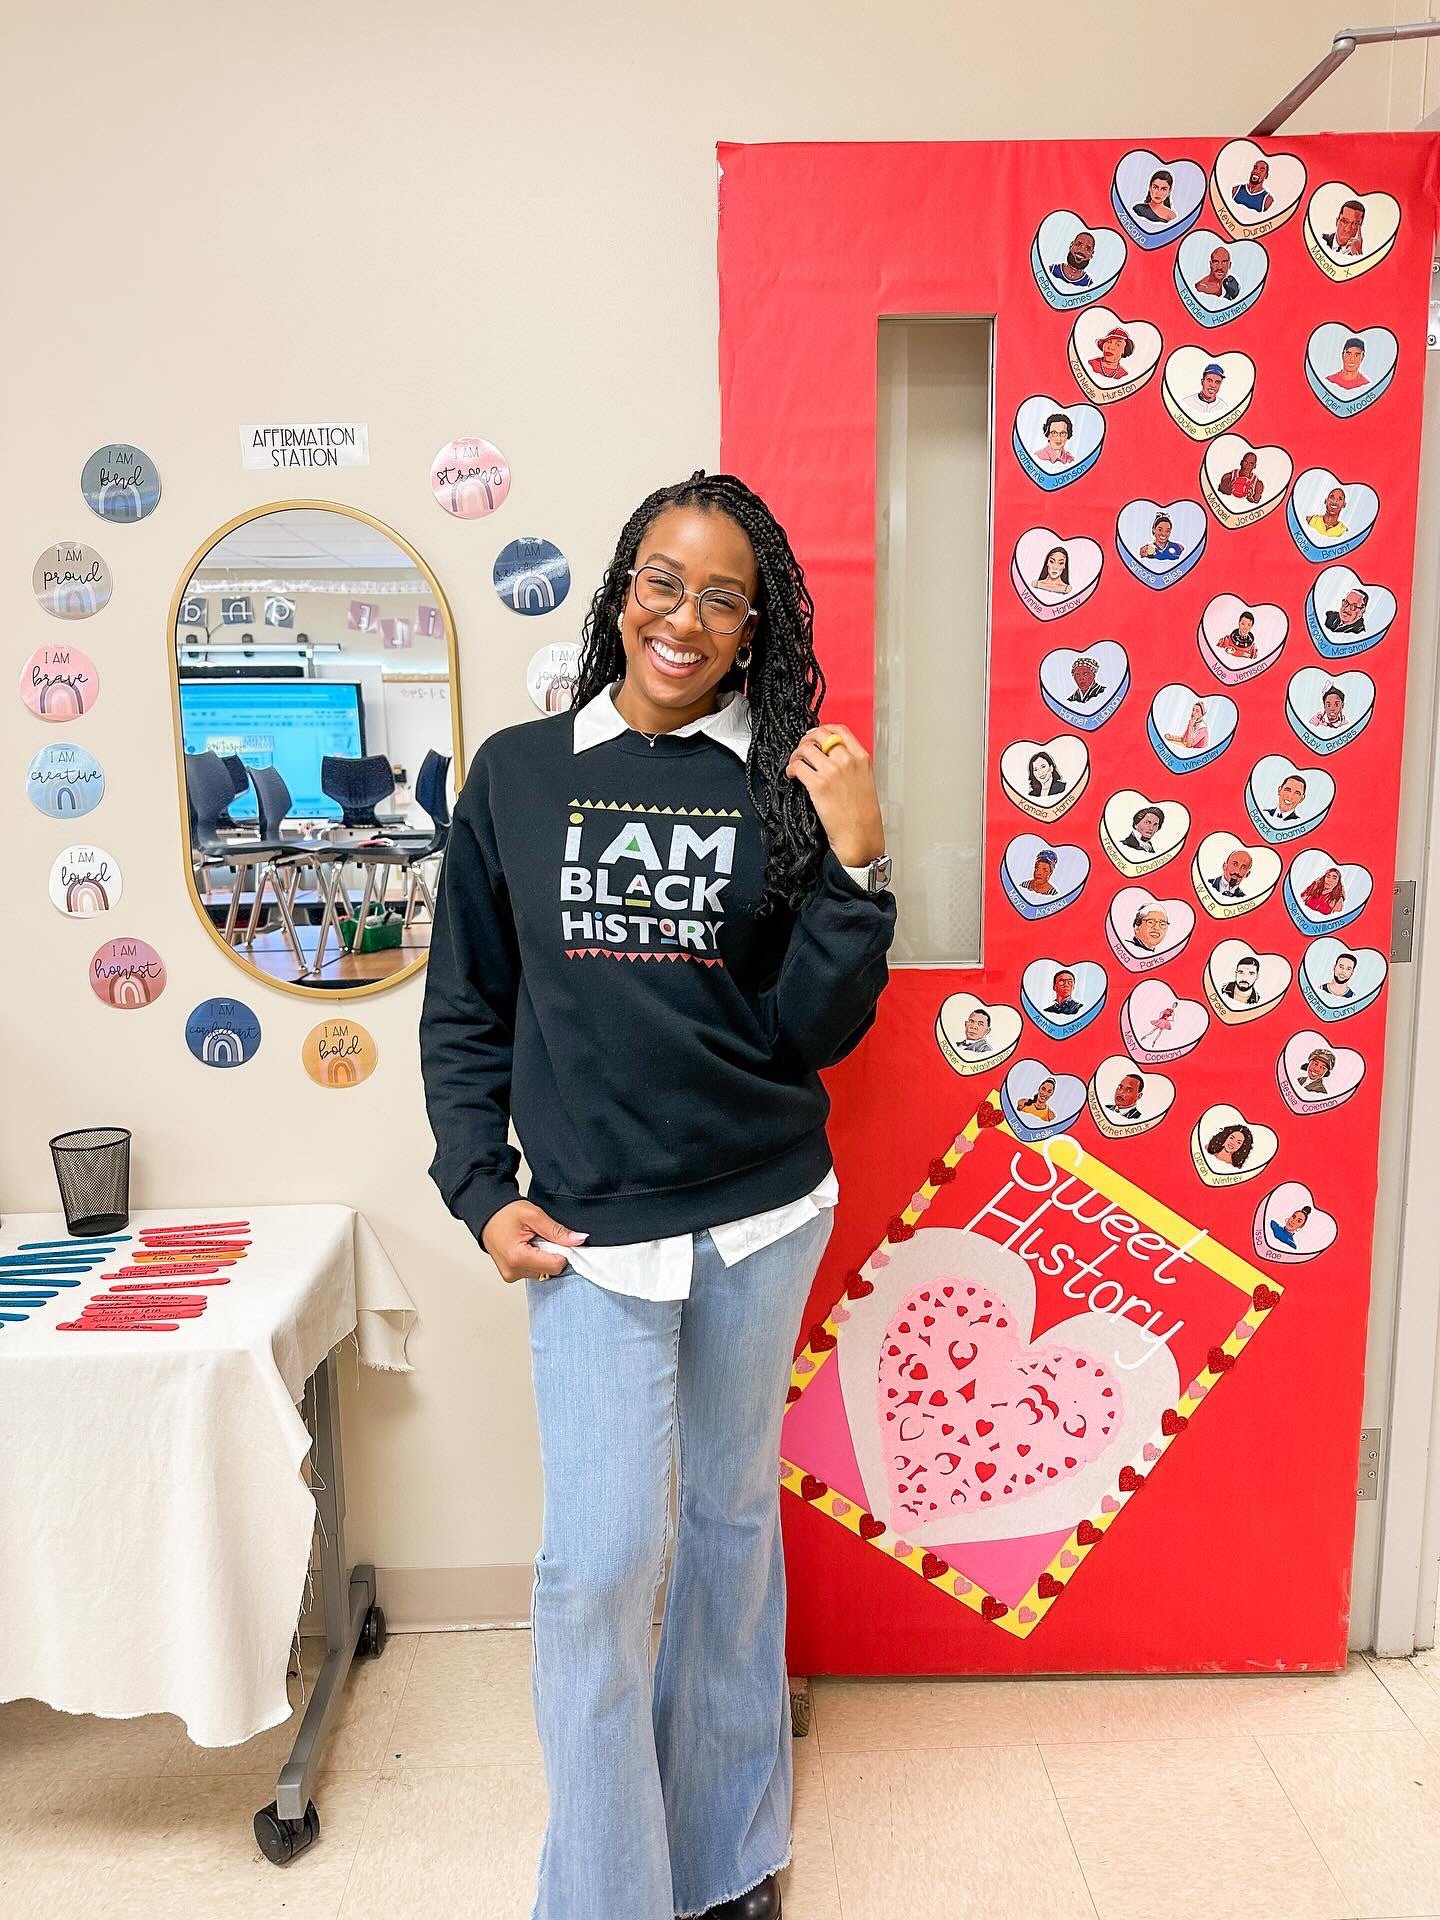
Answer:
(156, 1523)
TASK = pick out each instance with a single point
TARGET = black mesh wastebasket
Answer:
(92, 1167)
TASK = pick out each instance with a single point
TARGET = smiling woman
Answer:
(690, 812)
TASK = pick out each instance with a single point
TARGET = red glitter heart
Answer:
(870, 1528)
(932, 1566)
(1219, 1361)
(1130, 1480)
(821, 1338)
(1264, 1298)
(992, 1608)
(896, 1230)
(811, 1488)
(1047, 1586)
(857, 1286)
(1087, 1533)
(988, 1116)
(1173, 1422)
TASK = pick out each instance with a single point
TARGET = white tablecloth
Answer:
(155, 1529)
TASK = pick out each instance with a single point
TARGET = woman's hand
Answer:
(509, 1240)
(842, 785)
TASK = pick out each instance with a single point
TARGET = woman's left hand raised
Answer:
(842, 785)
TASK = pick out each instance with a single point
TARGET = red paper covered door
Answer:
(1079, 1386)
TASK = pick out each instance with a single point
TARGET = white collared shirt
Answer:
(661, 1269)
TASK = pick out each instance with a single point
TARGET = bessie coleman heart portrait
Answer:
(662, 913)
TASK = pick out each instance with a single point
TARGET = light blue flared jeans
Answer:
(669, 1792)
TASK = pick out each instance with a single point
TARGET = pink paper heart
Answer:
(840, 1508)
(1069, 1559)
(840, 1315)
(1152, 1452)
(1109, 1504)
(919, 1202)
(973, 1418)
(902, 1548)
(1243, 1330)
(879, 1259)
(962, 1585)
(804, 1365)
(1027, 1614)
(1197, 1389)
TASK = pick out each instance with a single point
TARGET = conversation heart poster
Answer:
(1079, 1384)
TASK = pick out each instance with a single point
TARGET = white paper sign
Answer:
(328, 443)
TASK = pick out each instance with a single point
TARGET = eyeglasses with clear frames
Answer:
(722, 609)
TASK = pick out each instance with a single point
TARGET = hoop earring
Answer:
(748, 651)
(620, 624)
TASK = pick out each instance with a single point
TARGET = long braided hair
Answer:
(783, 681)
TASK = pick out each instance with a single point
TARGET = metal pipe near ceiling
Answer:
(1343, 45)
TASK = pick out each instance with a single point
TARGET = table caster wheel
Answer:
(799, 1712)
(371, 1643)
(280, 1840)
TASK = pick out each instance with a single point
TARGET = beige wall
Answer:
(446, 219)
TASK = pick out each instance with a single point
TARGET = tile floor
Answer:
(1263, 1797)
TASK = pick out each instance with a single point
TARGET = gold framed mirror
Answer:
(315, 702)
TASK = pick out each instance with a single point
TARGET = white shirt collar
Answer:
(600, 719)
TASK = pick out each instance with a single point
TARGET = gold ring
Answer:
(835, 740)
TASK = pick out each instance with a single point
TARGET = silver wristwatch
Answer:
(877, 874)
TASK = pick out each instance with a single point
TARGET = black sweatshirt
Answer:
(597, 971)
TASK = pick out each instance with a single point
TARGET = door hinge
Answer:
(1402, 923)
(1369, 1487)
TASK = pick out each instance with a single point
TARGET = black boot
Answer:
(760, 1903)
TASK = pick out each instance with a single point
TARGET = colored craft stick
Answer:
(26, 1300)
(103, 1240)
(60, 1262)
(120, 1326)
(199, 1226)
(14, 1316)
(153, 1286)
(111, 1319)
(141, 1273)
(52, 1276)
(162, 1300)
